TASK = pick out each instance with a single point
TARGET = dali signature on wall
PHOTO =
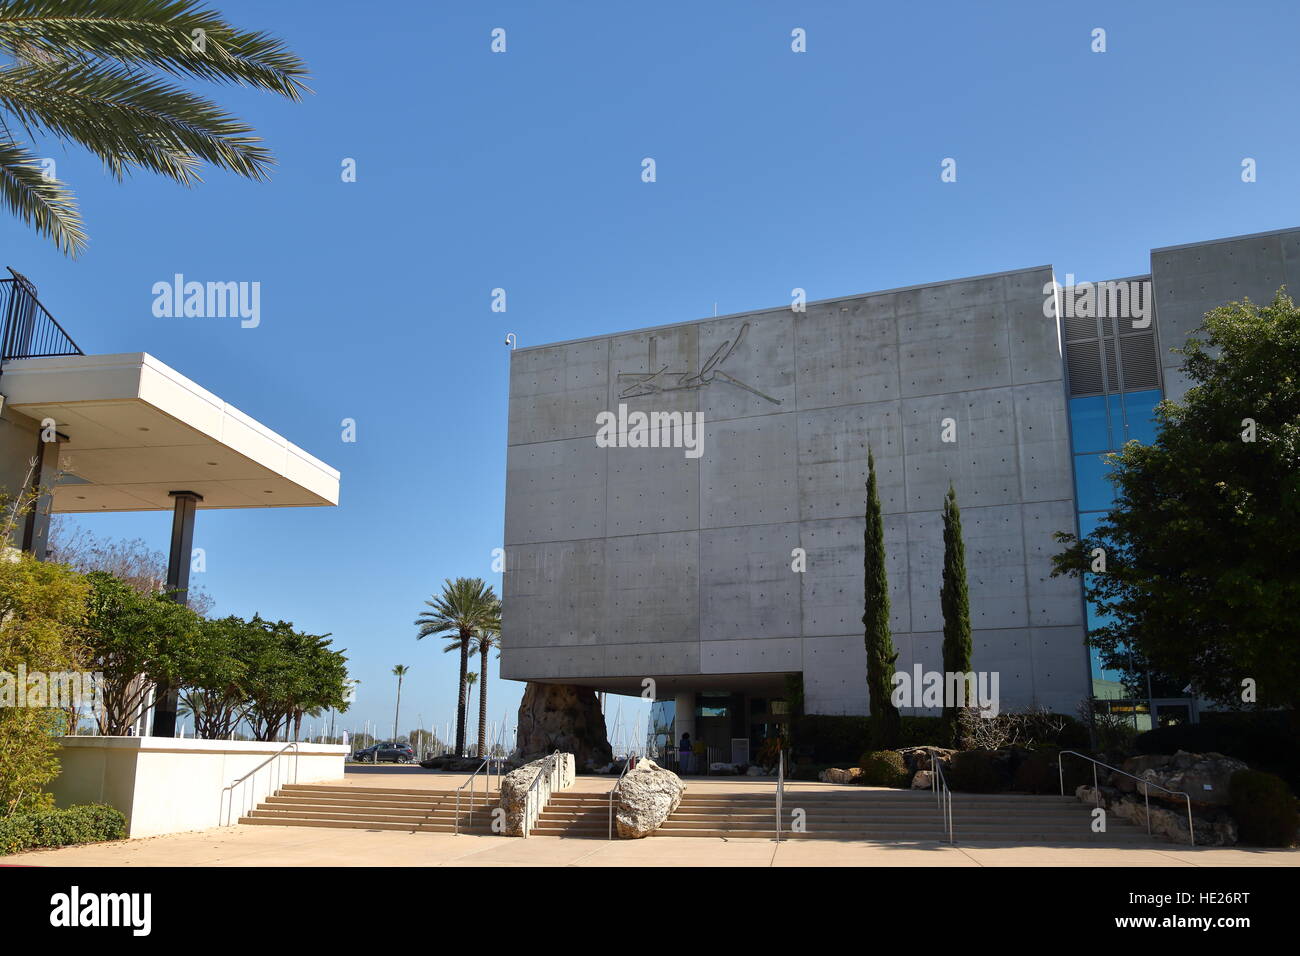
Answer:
(658, 379)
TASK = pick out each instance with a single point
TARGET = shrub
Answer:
(1264, 808)
(883, 768)
(924, 732)
(92, 823)
(1037, 773)
(974, 771)
(831, 739)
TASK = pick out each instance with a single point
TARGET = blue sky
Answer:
(522, 171)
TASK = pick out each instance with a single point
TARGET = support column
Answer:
(36, 529)
(178, 589)
(684, 722)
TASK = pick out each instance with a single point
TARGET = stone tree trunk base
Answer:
(562, 717)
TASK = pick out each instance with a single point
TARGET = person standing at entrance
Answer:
(684, 754)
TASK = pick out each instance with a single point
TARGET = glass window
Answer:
(1094, 490)
(1088, 521)
(1090, 424)
(1139, 413)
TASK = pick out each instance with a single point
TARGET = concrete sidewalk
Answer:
(301, 846)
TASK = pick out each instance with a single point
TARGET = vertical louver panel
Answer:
(1137, 354)
(1083, 361)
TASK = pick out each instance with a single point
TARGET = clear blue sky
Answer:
(522, 170)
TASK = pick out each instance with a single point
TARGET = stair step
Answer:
(291, 821)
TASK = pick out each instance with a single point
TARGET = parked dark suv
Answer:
(385, 753)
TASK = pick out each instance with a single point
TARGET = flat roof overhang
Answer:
(137, 430)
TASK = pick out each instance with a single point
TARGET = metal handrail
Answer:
(470, 783)
(627, 765)
(547, 773)
(942, 793)
(29, 329)
(292, 745)
(780, 790)
(1146, 796)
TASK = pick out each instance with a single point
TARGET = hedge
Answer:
(1266, 740)
(92, 823)
(1264, 809)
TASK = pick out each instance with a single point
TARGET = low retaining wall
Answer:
(171, 785)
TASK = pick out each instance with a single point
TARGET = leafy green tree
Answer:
(466, 608)
(212, 680)
(101, 74)
(955, 600)
(42, 611)
(135, 641)
(881, 656)
(1195, 571)
(289, 675)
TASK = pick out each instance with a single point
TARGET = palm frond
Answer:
(129, 120)
(44, 204)
(179, 37)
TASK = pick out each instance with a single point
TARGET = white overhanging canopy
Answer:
(137, 430)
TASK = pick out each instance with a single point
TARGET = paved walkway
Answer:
(306, 846)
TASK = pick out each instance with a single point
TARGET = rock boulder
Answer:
(833, 775)
(647, 795)
(1203, 777)
(516, 784)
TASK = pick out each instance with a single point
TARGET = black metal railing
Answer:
(29, 330)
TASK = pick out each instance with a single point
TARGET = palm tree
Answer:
(102, 75)
(464, 609)
(400, 671)
(471, 680)
(483, 643)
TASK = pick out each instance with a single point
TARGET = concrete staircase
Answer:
(868, 814)
(373, 808)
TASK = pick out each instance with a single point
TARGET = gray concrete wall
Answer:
(625, 563)
(1190, 280)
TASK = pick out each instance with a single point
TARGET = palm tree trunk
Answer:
(397, 714)
(460, 707)
(482, 701)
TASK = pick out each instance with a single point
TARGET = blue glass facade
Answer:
(1101, 424)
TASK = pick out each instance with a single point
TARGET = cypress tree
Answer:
(881, 657)
(955, 599)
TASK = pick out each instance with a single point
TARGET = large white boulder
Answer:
(646, 797)
(516, 784)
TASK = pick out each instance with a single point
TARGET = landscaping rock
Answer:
(1203, 777)
(918, 758)
(923, 780)
(833, 775)
(647, 795)
(516, 784)
(1137, 766)
(1213, 826)
(720, 767)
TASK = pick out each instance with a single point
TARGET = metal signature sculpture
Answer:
(656, 380)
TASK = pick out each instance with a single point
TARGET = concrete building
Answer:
(676, 569)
